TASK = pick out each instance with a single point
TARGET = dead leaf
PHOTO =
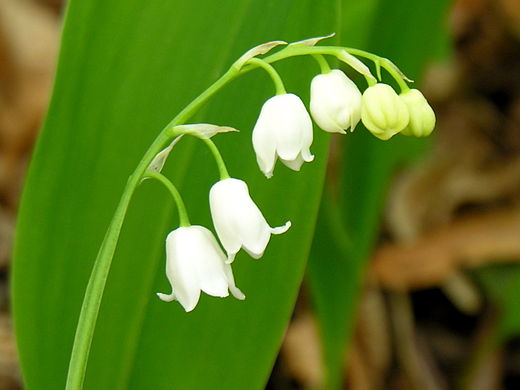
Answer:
(466, 243)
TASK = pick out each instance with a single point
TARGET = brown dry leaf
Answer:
(301, 351)
(468, 242)
(6, 236)
(413, 354)
(28, 47)
(510, 11)
(9, 374)
(369, 356)
(462, 169)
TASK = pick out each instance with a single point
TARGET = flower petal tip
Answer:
(254, 255)
(187, 309)
(308, 158)
(237, 293)
(230, 258)
(166, 297)
(221, 295)
(281, 229)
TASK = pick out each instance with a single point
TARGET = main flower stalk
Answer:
(98, 277)
(248, 62)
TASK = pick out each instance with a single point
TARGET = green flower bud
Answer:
(422, 117)
(383, 112)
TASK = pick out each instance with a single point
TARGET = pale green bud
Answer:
(383, 112)
(422, 117)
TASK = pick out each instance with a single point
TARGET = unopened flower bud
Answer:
(335, 102)
(422, 117)
(383, 112)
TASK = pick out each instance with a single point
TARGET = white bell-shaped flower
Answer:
(238, 221)
(195, 262)
(283, 129)
(335, 102)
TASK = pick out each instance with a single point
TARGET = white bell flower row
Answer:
(284, 128)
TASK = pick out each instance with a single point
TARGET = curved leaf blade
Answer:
(125, 69)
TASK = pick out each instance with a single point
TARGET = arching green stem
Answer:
(96, 285)
(184, 221)
(322, 62)
(300, 50)
(385, 63)
(218, 159)
(99, 275)
(277, 80)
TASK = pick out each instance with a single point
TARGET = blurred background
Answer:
(444, 269)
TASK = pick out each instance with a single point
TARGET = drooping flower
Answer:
(422, 117)
(194, 263)
(238, 221)
(383, 112)
(335, 102)
(284, 130)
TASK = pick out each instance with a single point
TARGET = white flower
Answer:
(335, 102)
(238, 221)
(195, 262)
(383, 112)
(283, 129)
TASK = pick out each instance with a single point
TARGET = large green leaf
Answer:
(409, 33)
(126, 67)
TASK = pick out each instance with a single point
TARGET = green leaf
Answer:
(404, 31)
(501, 284)
(125, 69)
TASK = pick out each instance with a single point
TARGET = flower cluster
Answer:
(195, 261)
(284, 128)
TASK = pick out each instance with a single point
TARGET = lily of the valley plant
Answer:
(195, 261)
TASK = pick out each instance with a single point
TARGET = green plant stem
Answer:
(183, 215)
(96, 285)
(299, 50)
(388, 65)
(277, 80)
(322, 62)
(218, 158)
(98, 277)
